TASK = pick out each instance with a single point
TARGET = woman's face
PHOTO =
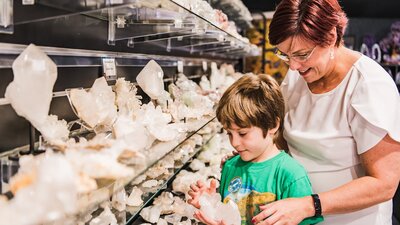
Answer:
(311, 61)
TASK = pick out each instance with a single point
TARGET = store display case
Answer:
(78, 36)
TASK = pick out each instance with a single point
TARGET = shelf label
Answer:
(180, 67)
(109, 69)
(28, 2)
(204, 64)
(114, 2)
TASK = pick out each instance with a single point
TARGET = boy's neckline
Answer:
(270, 158)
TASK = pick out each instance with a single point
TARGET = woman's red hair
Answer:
(309, 19)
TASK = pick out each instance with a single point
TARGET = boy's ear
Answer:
(275, 129)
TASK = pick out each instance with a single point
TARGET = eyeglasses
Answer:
(297, 57)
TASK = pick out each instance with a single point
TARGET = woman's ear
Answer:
(334, 33)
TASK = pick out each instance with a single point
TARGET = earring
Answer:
(331, 54)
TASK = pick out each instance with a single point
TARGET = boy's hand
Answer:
(228, 156)
(198, 189)
(200, 216)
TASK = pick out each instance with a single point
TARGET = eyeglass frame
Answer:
(287, 58)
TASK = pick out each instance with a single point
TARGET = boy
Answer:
(251, 111)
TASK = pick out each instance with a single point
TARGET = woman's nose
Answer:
(293, 65)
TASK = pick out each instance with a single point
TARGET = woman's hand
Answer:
(289, 211)
(228, 156)
(199, 189)
(202, 218)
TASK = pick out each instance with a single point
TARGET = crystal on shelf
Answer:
(162, 222)
(135, 198)
(119, 197)
(95, 107)
(151, 213)
(197, 165)
(150, 183)
(127, 99)
(150, 79)
(105, 218)
(54, 130)
(31, 91)
(134, 133)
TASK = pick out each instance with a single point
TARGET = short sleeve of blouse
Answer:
(376, 106)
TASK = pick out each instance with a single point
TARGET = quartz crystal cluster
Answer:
(96, 107)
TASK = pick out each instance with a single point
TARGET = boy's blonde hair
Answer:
(253, 100)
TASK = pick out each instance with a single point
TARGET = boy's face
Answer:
(250, 143)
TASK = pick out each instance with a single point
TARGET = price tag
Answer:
(109, 69)
(113, 2)
(178, 23)
(28, 2)
(180, 67)
(204, 64)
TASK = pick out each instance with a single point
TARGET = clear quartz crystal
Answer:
(31, 91)
(150, 79)
(95, 107)
(135, 198)
(151, 213)
(214, 209)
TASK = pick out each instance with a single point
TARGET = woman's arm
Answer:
(382, 165)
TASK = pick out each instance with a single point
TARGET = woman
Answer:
(342, 120)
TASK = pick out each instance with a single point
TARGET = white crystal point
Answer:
(213, 208)
(30, 92)
(151, 214)
(205, 83)
(95, 107)
(216, 78)
(150, 79)
(135, 198)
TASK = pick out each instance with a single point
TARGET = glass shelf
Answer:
(162, 25)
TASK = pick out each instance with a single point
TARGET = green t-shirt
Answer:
(253, 184)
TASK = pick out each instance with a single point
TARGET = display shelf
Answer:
(65, 57)
(162, 23)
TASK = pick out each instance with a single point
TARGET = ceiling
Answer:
(353, 8)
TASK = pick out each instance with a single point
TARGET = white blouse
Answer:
(327, 132)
